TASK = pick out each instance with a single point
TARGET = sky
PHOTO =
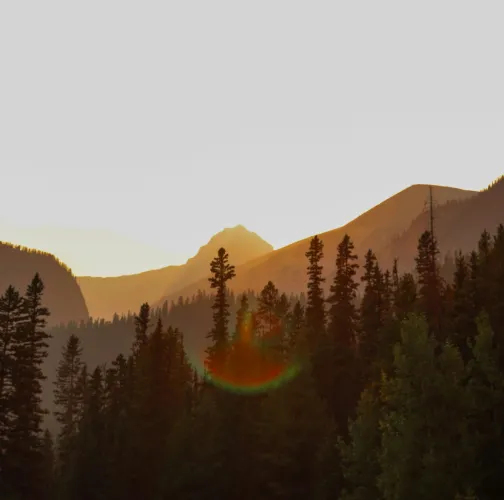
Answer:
(132, 131)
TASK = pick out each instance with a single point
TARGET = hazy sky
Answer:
(164, 122)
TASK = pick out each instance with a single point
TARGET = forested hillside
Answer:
(63, 295)
(373, 229)
(457, 224)
(107, 296)
(396, 394)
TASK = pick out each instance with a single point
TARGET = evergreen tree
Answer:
(24, 447)
(360, 456)
(68, 396)
(222, 272)
(424, 446)
(343, 315)
(395, 278)
(495, 304)
(373, 310)
(464, 309)
(242, 316)
(11, 304)
(142, 324)
(405, 296)
(89, 478)
(296, 326)
(267, 316)
(292, 428)
(430, 290)
(342, 379)
(48, 460)
(486, 389)
(315, 307)
(119, 428)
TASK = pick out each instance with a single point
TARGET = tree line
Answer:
(394, 394)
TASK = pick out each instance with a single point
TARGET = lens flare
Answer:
(249, 365)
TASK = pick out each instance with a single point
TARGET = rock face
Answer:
(107, 296)
(62, 294)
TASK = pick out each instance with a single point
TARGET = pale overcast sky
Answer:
(163, 122)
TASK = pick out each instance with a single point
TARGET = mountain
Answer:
(286, 267)
(106, 296)
(62, 294)
(93, 252)
(457, 225)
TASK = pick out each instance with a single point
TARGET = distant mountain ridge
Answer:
(375, 229)
(257, 262)
(107, 296)
(62, 294)
(457, 225)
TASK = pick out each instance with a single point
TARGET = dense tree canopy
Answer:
(390, 388)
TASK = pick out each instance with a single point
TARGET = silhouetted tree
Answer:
(315, 307)
(342, 383)
(24, 447)
(222, 272)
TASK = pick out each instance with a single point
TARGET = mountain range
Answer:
(255, 260)
(375, 229)
(391, 229)
(107, 296)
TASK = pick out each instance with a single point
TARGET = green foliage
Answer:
(400, 396)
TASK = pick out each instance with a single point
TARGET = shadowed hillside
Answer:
(106, 296)
(457, 225)
(62, 294)
(373, 229)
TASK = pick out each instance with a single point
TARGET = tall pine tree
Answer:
(25, 445)
(222, 271)
(342, 384)
(315, 306)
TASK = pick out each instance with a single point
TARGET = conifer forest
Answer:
(389, 387)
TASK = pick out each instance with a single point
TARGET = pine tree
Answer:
(495, 305)
(295, 326)
(430, 291)
(283, 310)
(142, 324)
(292, 428)
(485, 387)
(341, 378)
(423, 424)
(343, 314)
(24, 447)
(373, 311)
(68, 396)
(11, 304)
(242, 316)
(222, 272)
(270, 328)
(267, 311)
(405, 296)
(464, 308)
(360, 456)
(395, 277)
(90, 460)
(481, 272)
(48, 460)
(315, 307)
